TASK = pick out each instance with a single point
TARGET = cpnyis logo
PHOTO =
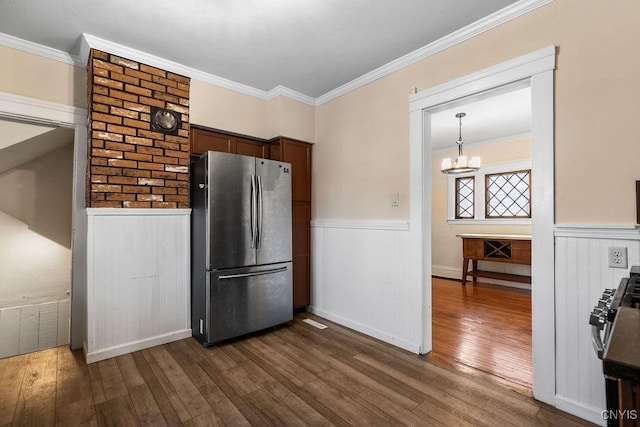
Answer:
(625, 414)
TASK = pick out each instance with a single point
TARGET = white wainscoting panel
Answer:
(33, 327)
(360, 278)
(582, 273)
(138, 285)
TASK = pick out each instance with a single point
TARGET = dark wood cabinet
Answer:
(298, 153)
(301, 218)
(247, 147)
(203, 140)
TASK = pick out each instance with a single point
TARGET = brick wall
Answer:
(129, 165)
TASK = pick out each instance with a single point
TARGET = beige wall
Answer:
(212, 106)
(446, 247)
(362, 138)
(33, 76)
(361, 155)
(288, 117)
(224, 109)
(221, 108)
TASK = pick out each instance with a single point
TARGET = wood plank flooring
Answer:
(486, 327)
(294, 375)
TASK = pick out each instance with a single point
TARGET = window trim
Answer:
(479, 194)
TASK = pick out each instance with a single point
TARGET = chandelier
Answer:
(460, 164)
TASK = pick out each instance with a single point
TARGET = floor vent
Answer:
(315, 324)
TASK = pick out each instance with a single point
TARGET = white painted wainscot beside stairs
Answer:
(138, 279)
(33, 327)
(582, 273)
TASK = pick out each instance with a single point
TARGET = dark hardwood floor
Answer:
(486, 327)
(295, 375)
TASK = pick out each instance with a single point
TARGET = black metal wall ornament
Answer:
(165, 121)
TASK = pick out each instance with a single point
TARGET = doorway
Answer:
(485, 326)
(36, 171)
(536, 67)
(38, 112)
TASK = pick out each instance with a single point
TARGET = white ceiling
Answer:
(310, 46)
(492, 116)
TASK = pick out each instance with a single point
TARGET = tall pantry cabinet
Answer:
(298, 153)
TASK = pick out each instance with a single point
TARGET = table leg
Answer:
(465, 267)
(475, 268)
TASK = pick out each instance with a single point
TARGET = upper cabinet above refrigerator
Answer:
(203, 140)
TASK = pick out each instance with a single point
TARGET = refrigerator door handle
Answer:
(257, 273)
(259, 221)
(254, 231)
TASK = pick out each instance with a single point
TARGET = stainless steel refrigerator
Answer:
(241, 271)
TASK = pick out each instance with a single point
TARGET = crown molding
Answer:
(40, 50)
(498, 18)
(89, 42)
(92, 42)
(290, 93)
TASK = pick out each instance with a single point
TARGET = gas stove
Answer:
(603, 315)
(615, 334)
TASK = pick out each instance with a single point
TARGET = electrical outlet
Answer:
(617, 257)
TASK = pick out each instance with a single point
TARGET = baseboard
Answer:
(456, 274)
(578, 409)
(375, 333)
(130, 347)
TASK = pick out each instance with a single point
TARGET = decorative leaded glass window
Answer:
(508, 195)
(464, 198)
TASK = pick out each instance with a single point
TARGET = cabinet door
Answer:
(299, 155)
(247, 147)
(203, 141)
(301, 217)
(301, 288)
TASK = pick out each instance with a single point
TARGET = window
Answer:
(508, 195)
(496, 194)
(464, 197)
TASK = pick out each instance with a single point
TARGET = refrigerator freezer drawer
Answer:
(246, 300)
